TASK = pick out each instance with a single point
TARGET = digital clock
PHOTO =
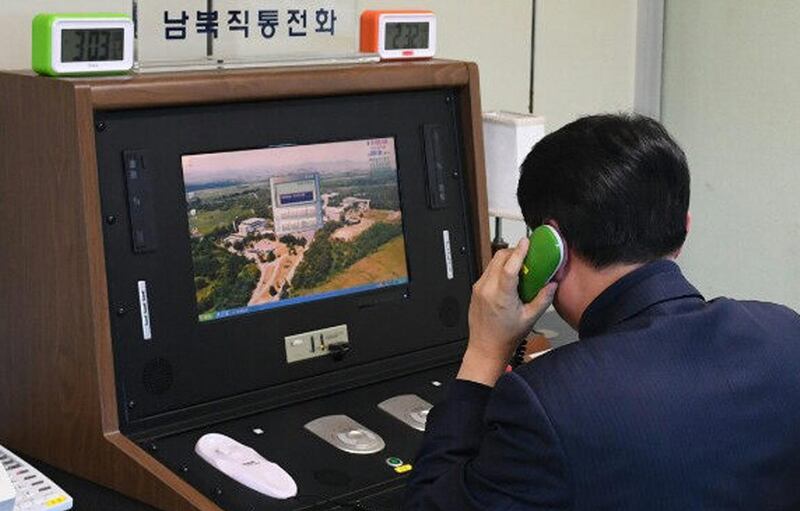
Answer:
(399, 34)
(82, 44)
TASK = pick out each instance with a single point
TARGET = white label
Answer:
(448, 255)
(144, 310)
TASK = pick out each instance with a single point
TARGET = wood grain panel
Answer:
(58, 403)
(472, 122)
(45, 290)
(274, 83)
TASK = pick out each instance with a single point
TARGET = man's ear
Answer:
(567, 256)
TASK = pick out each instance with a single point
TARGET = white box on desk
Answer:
(508, 138)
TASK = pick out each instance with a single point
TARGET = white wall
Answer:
(732, 100)
(498, 39)
(585, 63)
(585, 58)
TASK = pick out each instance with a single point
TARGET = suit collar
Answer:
(655, 282)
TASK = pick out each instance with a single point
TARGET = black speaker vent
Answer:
(157, 376)
(449, 311)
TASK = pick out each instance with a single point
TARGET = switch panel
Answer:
(140, 201)
(316, 343)
(434, 163)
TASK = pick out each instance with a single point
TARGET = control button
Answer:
(346, 434)
(358, 439)
(347, 439)
(402, 469)
(408, 408)
(420, 415)
(355, 437)
(394, 462)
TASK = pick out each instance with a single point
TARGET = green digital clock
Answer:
(82, 44)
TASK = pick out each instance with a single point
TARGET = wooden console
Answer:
(57, 388)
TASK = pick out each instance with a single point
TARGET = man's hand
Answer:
(498, 320)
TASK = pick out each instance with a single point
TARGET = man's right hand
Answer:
(498, 319)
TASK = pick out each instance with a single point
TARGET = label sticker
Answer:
(448, 255)
(144, 310)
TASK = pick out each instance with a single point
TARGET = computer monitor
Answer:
(280, 226)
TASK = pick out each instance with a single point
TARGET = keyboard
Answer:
(35, 492)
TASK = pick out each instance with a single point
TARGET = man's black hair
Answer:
(616, 185)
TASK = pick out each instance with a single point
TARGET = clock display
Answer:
(407, 36)
(91, 45)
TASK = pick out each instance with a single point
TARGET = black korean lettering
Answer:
(175, 28)
(326, 21)
(297, 17)
(239, 21)
(207, 23)
(268, 21)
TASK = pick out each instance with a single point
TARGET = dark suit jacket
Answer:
(667, 402)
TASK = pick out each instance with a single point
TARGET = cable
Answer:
(519, 354)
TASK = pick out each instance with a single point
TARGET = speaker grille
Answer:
(157, 376)
(449, 311)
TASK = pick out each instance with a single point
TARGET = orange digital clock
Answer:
(396, 35)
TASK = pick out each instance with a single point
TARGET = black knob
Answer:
(339, 350)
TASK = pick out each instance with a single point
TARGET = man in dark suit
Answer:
(668, 401)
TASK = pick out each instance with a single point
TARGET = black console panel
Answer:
(171, 367)
(321, 471)
(327, 477)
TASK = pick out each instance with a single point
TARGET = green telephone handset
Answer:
(546, 255)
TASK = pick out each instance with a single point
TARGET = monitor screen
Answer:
(282, 225)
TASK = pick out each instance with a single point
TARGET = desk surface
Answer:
(87, 495)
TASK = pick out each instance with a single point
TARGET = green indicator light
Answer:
(394, 462)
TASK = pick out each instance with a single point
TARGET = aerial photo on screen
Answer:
(281, 225)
